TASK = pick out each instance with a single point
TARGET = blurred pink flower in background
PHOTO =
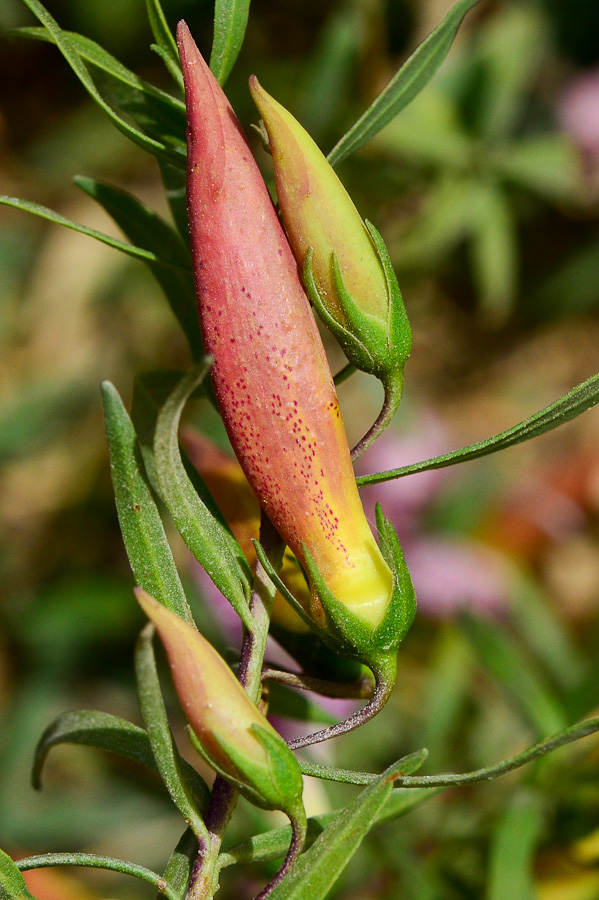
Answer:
(578, 111)
(449, 574)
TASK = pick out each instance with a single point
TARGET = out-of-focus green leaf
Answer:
(143, 533)
(572, 288)
(94, 861)
(544, 164)
(570, 405)
(494, 253)
(230, 21)
(446, 692)
(12, 883)
(44, 213)
(211, 543)
(35, 416)
(174, 180)
(428, 132)
(164, 38)
(274, 844)
(547, 637)
(449, 216)
(289, 704)
(415, 73)
(318, 868)
(157, 148)
(517, 674)
(509, 50)
(92, 728)
(164, 749)
(330, 68)
(180, 864)
(149, 231)
(512, 850)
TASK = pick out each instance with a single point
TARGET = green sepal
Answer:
(278, 787)
(315, 657)
(356, 639)
(378, 347)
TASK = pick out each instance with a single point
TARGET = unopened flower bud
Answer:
(231, 733)
(346, 266)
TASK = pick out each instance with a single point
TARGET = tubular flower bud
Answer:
(347, 270)
(234, 497)
(230, 732)
(270, 373)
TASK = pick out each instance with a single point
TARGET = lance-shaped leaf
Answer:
(92, 728)
(584, 396)
(180, 864)
(273, 844)
(230, 21)
(143, 532)
(211, 543)
(94, 861)
(415, 73)
(157, 148)
(164, 749)
(12, 883)
(318, 869)
(44, 213)
(164, 39)
(150, 232)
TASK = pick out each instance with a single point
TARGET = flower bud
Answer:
(347, 270)
(270, 373)
(232, 735)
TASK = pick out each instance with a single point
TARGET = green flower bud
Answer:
(346, 266)
(232, 735)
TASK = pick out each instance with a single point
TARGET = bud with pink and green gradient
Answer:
(232, 735)
(346, 266)
(274, 387)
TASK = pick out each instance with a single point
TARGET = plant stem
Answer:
(381, 694)
(349, 690)
(388, 410)
(299, 830)
(224, 797)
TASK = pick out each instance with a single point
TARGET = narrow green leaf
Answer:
(494, 253)
(318, 868)
(409, 765)
(570, 405)
(149, 231)
(12, 883)
(516, 673)
(512, 850)
(181, 863)
(93, 861)
(538, 750)
(91, 728)
(164, 38)
(415, 73)
(143, 533)
(274, 844)
(44, 213)
(66, 47)
(95, 54)
(230, 21)
(212, 545)
(161, 739)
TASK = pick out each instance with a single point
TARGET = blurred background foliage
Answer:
(486, 190)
